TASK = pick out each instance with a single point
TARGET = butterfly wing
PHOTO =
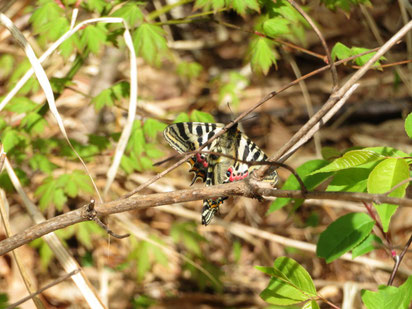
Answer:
(213, 169)
(188, 136)
(224, 170)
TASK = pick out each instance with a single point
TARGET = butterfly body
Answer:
(236, 149)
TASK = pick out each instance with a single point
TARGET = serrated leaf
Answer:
(350, 159)
(93, 37)
(104, 98)
(33, 123)
(310, 181)
(408, 125)
(277, 26)
(130, 12)
(208, 5)
(55, 28)
(343, 235)
(292, 285)
(240, 6)
(42, 163)
(198, 116)
(383, 178)
(189, 70)
(10, 139)
(7, 63)
(95, 5)
(59, 198)
(146, 163)
(182, 117)
(150, 43)
(152, 126)
(262, 55)
(153, 151)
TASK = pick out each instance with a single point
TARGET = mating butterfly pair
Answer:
(213, 169)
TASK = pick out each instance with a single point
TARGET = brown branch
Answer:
(398, 260)
(248, 188)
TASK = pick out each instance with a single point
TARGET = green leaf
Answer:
(84, 232)
(44, 14)
(277, 26)
(383, 178)
(152, 126)
(330, 153)
(189, 70)
(95, 5)
(42, 163)
(127, 164)
(55, 28)
(18, 72)
(310, 181)
(311, 305)
(365, 58)
(104, 98)
(182, 117)
(150, 43)
(262, 55)
(345, 5)
(198, 116)
(208, 5)
(343, 235)
(240, 6)
(153, 151)
(10, 139)
(340, 51)
(33, 123)
(369, 244)
(93, 36)
(290, 284)
(186, 234)
(131, 13)
(350, 180)
(350, 159)
(7, 63)
(136, 141)
(408, 125)
(146, 163)
(389, 296)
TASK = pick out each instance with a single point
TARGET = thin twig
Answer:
(322, 40)
(53, 283)
(398, 260)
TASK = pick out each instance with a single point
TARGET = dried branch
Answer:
(248, 188)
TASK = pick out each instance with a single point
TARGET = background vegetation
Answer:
(205, 61)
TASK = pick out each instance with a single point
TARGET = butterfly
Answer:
(211, 168)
